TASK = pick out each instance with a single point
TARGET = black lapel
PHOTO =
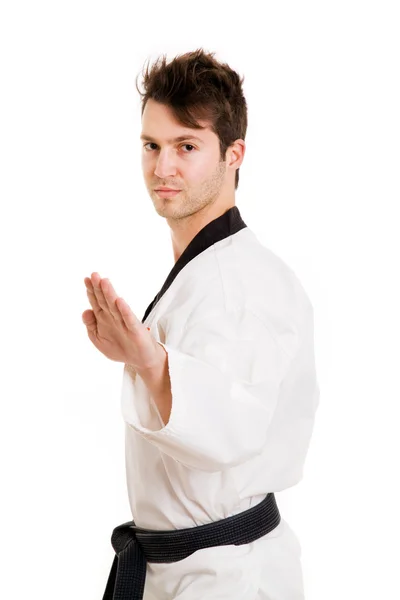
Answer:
(223, 226)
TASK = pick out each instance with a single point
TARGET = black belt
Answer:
(135, 546)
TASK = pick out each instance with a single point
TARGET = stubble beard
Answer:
(185, 204)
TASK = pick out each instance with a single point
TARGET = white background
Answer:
(319, 186)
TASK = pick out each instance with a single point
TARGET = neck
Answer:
(184, 230)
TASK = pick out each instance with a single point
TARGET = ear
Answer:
(235, 154)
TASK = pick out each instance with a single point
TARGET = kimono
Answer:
(237, 326)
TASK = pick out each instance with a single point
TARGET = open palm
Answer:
(114, 329)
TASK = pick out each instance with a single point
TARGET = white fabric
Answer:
(238, 328)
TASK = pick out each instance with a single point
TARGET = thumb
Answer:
(89, 320)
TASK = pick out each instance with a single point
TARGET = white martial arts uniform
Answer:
(238, 328)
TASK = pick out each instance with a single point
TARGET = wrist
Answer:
(157, 363)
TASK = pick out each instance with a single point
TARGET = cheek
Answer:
(197, 170)
(147, 168)
(191, 171)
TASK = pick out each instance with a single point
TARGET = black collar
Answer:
(223, 226)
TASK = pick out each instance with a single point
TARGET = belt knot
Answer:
(122, 537)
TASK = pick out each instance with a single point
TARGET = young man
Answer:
(219, 386)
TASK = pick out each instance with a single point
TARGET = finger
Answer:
(110, 297)
(96, 279)
(130, 320)
(89, 320)
(92, 296)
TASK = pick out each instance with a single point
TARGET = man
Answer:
(219, 386)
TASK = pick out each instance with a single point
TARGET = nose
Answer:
(166, 165)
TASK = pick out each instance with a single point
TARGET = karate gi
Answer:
(238, 329)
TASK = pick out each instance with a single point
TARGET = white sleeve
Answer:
(225, 379)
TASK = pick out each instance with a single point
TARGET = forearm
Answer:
(158, 383)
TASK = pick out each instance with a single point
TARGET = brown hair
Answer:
(197, 87)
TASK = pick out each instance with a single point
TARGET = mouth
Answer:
(167, 193)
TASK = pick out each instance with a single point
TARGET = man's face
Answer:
(190, 165)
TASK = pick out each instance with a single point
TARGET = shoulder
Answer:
(239, 281)
(252, 275)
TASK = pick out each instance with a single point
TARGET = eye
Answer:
(153, 144)
(144, 146)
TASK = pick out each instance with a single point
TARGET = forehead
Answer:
(159, 123)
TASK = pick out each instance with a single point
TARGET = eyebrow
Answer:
(180, 138)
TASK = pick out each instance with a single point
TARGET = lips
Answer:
(167, 190)
(167, 193)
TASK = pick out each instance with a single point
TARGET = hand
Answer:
(115, 330)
